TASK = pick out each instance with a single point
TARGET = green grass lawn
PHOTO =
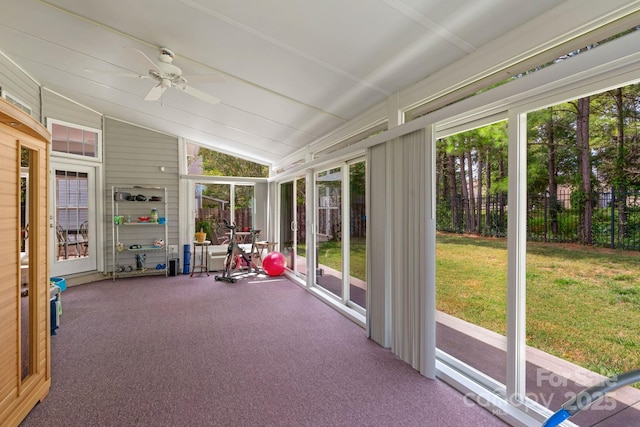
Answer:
(583, 304)
(330, 255)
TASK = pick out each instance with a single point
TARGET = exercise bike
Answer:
(237, 257)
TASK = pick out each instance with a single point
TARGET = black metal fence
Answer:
(615, 219)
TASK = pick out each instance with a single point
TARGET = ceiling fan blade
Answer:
(204, 78)
(199, 94)
(155, 93)
(118, 73)
(149, 60)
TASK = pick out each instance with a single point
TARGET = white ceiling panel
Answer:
(294, 71)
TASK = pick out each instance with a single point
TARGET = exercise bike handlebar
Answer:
(232, 226)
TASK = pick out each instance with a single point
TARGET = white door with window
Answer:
(73, 218)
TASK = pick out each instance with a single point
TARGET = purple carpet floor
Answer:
(181, 351)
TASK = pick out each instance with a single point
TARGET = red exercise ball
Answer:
(274, 263)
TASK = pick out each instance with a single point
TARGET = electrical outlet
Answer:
(173, 249)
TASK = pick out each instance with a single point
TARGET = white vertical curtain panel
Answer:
(406, 276)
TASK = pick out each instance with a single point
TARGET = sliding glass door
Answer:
(328, 236)
(293, 225)
(340, 233)
(357, 254)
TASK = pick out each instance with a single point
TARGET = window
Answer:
(15, 101)
(75, 140)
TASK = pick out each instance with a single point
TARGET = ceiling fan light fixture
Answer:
(166, 55)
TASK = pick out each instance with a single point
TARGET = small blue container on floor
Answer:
(59, 282)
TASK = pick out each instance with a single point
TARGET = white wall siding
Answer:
(20, 85)
(57, 107)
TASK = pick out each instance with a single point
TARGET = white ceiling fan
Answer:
(166, 75)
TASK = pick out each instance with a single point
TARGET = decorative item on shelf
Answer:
(154, 215)
(119, 196)
(201, 236)
(158, 243)
(119, 247)
(203, 229)
(144, 218)
(140, 260)
(135, 247)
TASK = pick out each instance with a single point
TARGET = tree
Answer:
(215, 163)
(584, 166)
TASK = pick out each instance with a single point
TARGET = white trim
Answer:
(516, 258)
(498, 406)
(506, 52)
(22, 70)
(428, 306)
(345, 201)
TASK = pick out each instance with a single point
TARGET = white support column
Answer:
(345, 237)
(310, 215)
(516, 256)
(428, 308)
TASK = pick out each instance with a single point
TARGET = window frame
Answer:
(98, 148)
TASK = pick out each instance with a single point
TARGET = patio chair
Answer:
(64, 242)
(84, 238)
(218, 237)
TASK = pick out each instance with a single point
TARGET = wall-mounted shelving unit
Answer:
(140, 238)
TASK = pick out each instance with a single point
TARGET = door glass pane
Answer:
(286, 223)
(471, 249)
(357, 235)
(27, 211)
(72, 140)
(301, 227)
(213, 204)
(583, 232)
(329, 230)
(243, 211)
(72, 215)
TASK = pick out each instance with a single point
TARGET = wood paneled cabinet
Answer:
(25, 368)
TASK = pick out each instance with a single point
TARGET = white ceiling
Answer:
(294, 70)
